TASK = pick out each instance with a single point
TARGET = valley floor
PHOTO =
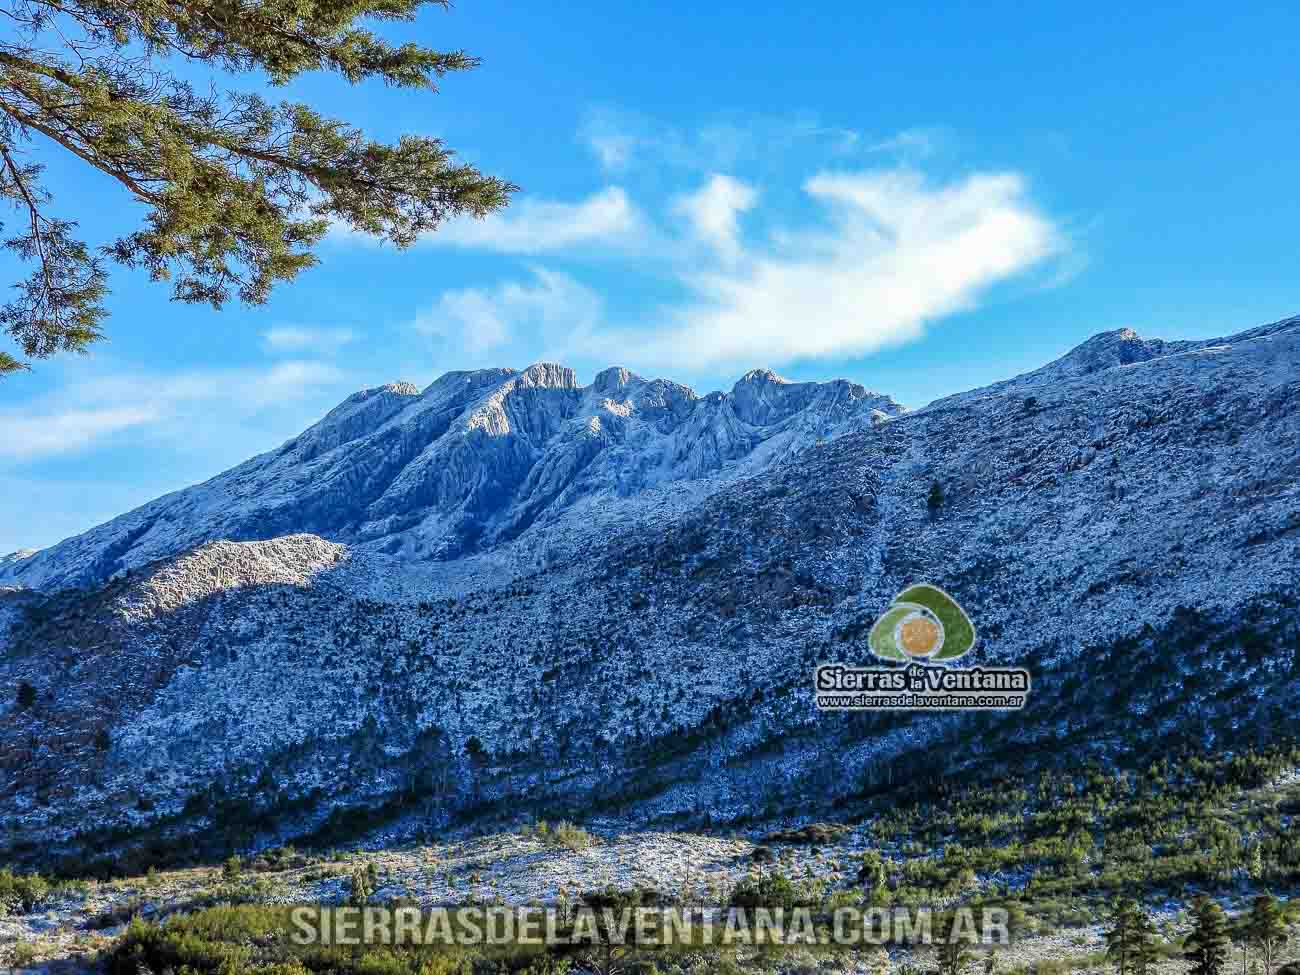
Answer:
(1055, 848)
(73, 930)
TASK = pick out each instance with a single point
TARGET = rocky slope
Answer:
(511, 594)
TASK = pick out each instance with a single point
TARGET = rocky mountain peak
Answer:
(473, 461)
(759, 377)
(1119, 347)
(613, 379)
(459, 380)
(549, 375)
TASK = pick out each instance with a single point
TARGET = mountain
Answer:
(475, 460)
(510, 595)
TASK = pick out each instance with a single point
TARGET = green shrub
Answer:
(772, 890)
(871, 874)
(24, 955)
(565, 834)
(363, 884)
(254, 940)
(934, 500)
(232, 868)
(21, 893)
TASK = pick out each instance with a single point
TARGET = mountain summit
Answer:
(475, 459)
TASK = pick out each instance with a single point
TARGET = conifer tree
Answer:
(1146, 954)
(1207, 945)
(1124, 939)
(952, 953)
(1266, 929)
(934, 500)
(236, 190)
(871, 874)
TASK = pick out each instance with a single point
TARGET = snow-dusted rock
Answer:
(474, 460)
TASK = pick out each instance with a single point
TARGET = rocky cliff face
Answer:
(474, 460)
(510, 594)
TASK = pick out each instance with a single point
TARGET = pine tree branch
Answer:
(122, 177)
(34, 215)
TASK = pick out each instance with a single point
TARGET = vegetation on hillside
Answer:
(1058, 851)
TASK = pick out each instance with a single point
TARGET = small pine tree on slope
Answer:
(1207, 945)
(1266, 929)
(1124, 939)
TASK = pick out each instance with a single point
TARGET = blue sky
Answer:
(919, 200)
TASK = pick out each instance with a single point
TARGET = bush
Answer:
(871, 874)
(363, 884)
(251, 940)
(816, 834)
(26, 695)
(21, 893)
(934, 500)
(772, 890)
(565, 834)
(24, 955)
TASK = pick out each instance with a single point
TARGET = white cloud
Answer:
(295, 338)
(67, 430)
(100, 407)
(613, 149)
(614, 138)
(866, 260)
(541, 226)
(543, 318)
(623, 141)
(713, 213)
(531, 226)
(894, 254)
(914, 143)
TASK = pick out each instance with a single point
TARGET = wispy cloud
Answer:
(893, 254)
(614, 147)
(297, 338)
(532, 226)
(64, 431)
(544, 317)
(103, 407)
(918, 143)
(886, 253)
(713, 213)
(623, 142)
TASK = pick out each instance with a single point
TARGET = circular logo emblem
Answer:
(922, 622)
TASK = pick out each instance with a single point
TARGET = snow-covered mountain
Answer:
(512, 595)
(474, 460)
